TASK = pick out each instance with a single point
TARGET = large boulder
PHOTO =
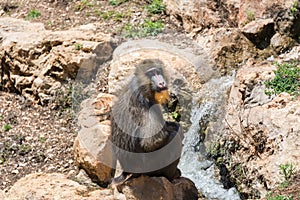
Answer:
(92, 147)
(35, 61)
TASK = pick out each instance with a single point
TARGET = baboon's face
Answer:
(158, 85)
(157, 80)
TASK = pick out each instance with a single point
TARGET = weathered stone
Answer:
(259, 32)
(48, 56)
(227, 48)
(2, 194)
(93, 152)
(54, 186)
(266, 129)
(294, 54)
(251, 10)
(199, 15)
(281, 43)
(149, 188)
(95, 110)
(92, 146)
(190, 70)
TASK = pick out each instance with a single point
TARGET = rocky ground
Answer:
(35, 138)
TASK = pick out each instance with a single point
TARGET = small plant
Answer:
(176, 116)
(287, 79)
(83, 4)
(148, 28)
(42, 139)
(156, 7)
(33, 14)
(78, 46)
(287, 170)
(116, 2)
(1, 117)
(118, 17)
(105, 14)
(151, 28)
(250, 16)
(278, 197)
(294, 9)
(6, 127)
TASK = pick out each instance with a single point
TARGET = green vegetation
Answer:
(288, 171)
(151, 28)
(33, 14)
(148, 28)
(1, 117)
(294, 9)
(83, 4)
(6, 127)
(116, 2)
(42, 139)
(78, 46)
(176, 116)
(111, 14)
(156, 7)
(250, 16)
(105, 14)
(287, 79)
(278, 197)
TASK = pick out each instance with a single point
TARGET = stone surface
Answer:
(181, 65)
(34, 63)
(149, 188)
(265, 130)
(198, 15)
(250, 10)
(259, 32)
(92, 147)
(54, 186)
(2, 194)
(227, 48)
(281, 43)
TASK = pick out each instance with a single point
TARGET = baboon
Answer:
(144, 143)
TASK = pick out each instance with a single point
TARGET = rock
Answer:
(34, 61)
(198, 15)
(294, 54)
(92, 147)
(54, 186)
(259, 32)
(2, 194)
(191, 70)
(149, 188)
(227, 48)
(281, 43)
(251, 10)
(265, 131)
(95, 110)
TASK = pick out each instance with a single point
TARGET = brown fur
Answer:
(137, 122)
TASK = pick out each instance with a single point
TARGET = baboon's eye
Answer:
(153, 71)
